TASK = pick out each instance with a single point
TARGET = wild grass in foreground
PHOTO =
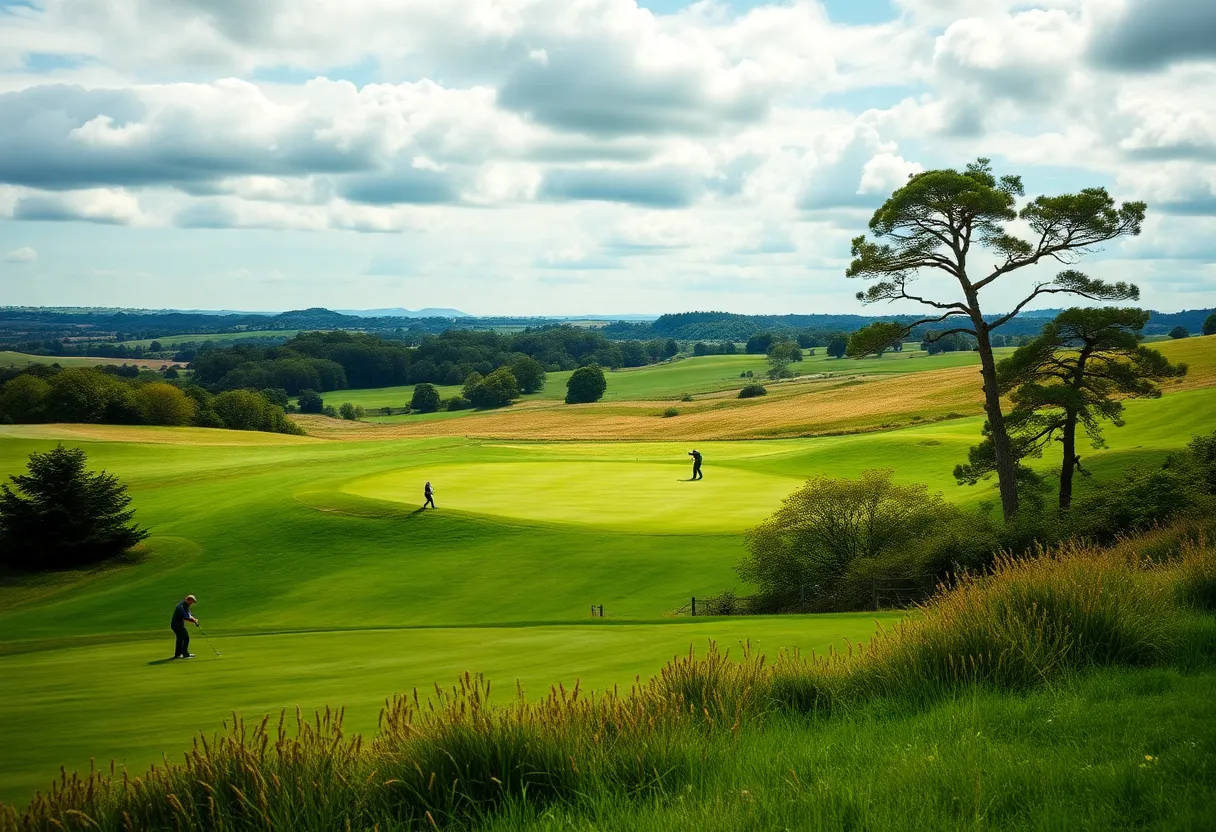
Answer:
(942, 722)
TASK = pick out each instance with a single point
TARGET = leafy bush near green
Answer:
(751, 391)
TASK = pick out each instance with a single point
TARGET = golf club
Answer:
(209, 644)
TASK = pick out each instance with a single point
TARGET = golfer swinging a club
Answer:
(181, 614)
(696, 463)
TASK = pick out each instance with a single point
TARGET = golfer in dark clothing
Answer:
(696, 463)
(181, 614)
(429, 493)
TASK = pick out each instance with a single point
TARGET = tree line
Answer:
(327, 361)
(107, 395)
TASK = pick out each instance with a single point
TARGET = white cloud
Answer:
(25, 254)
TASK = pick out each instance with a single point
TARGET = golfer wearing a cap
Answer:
(181, 614)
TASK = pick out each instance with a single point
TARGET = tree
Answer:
(311, 402)
(495, 390)
(759, 343)
(875, 339)
(1209, 326)
(530, 373)
(671, 348)
(349, 412)
(426, 399)
(1078, 371)
(83, 395)
(785, 349)
(24, 399)
(470, 384)
(838, 345)
(1179, 332)
(164, 404)
(933, 221)
(62, 515)
(701, 348)
(586, 384)
(796, 556)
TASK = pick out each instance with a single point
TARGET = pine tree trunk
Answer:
(1069, 439)
(1006, 465)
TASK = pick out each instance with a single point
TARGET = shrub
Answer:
(586, 384)
(751, 391)
(330, 411)
(350, 412)
(62, 515)
(797, 556)
(246, 410)
(671, 411)
(1179, 332)
(425, 399)
(457, 403)
(1209, 325)
(686, 397)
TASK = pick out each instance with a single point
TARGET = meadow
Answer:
(321, 582)
(9, 358)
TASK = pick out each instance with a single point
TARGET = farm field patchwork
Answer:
(20, 359)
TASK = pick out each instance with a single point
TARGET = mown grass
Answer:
(645, 754)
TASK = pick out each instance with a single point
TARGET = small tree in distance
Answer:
(529, 374)
(838, 345)
(1179, 332)
(311, 402)
(1209, 326)
(425, 399)
(586, 384)
(62, 515)
(933, 222)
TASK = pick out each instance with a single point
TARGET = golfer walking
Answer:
(696, 463)
(181, 614)
(429, 493)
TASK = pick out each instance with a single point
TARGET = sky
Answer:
(563, 157)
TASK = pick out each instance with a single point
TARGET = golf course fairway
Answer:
(322, 582)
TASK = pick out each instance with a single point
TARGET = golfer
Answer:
(181, 614)
(696, 463)
(429, 493)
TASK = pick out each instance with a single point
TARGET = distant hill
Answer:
(398, 312)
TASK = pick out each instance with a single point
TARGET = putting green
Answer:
(645, 497)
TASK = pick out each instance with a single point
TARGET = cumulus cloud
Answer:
(108, 206)
(651, 187)
(1150, 34)
(25, 254)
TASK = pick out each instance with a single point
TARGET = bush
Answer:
(669, 412)
(425, 399)
(686, 398)
(751, 391)
(62, 515)
(351, 412)
(457, 403)
(585, 385)
(1209, 325)
(330, 411)
(798, 556)
(1179, 332)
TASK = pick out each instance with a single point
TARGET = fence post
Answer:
(694, 605)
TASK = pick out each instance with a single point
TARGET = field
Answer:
(20, 359)
(321, 582)
(171, 341)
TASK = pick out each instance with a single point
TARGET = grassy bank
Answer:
(716, 741)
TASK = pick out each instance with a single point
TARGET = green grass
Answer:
(321, 582)
(171, 341)
(20, 359)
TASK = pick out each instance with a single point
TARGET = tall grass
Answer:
(453, 758)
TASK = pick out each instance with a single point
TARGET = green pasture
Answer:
(20, 359)
(171, 341)
(322, 582)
